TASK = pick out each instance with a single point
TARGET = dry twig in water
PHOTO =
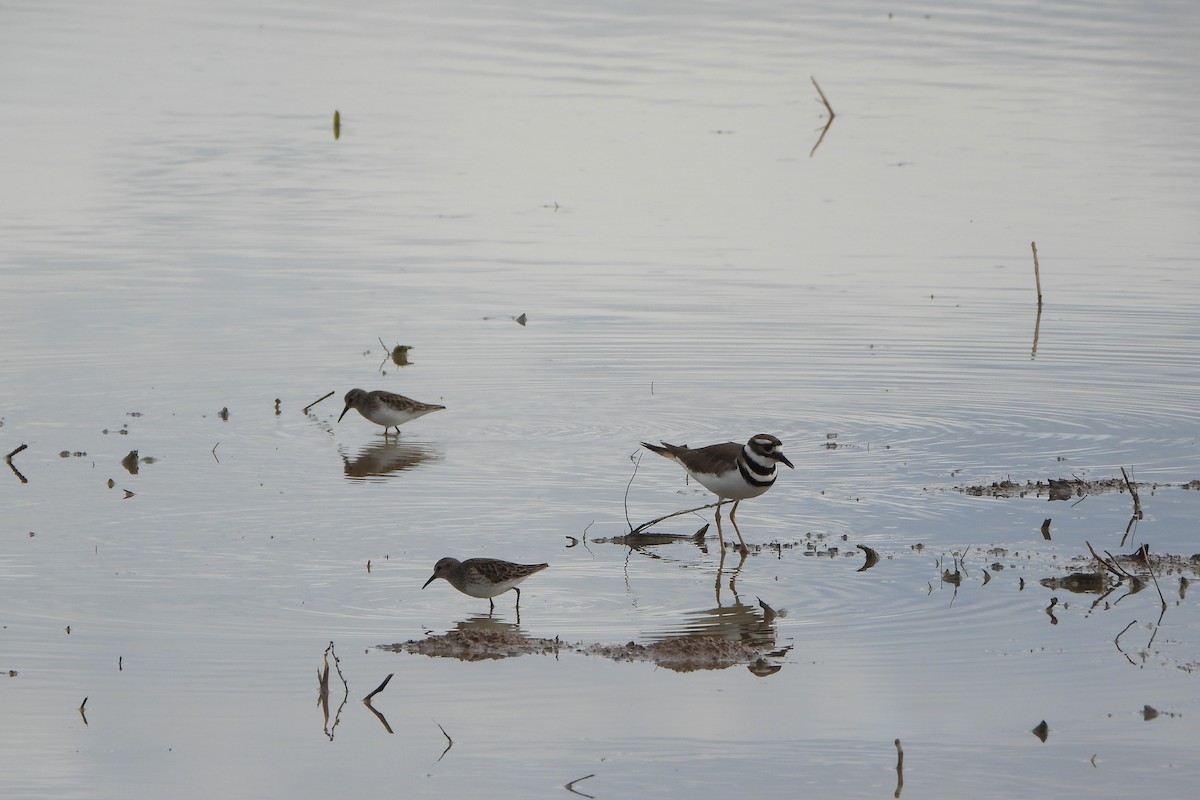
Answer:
(828, 108)
(378, 688)
(449, 741)
(637, 460)
(645, 525)
(319, 399)
(1137, 501)
(323, 694)
(1037, 273)
(1108, 563)
(367, 702)
(13, 467)
(1145, 552)
(570, 786)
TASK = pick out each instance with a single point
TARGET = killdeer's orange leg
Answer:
(733, 519)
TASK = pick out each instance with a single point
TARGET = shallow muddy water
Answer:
(183, 235)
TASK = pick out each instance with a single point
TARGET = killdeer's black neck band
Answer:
(756, 466)
(751, 478)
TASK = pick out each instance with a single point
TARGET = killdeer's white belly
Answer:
(729, 485)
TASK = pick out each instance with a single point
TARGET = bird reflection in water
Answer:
(382, 458)
(481, 637)
(721, 637)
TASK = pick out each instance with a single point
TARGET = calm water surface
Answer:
(182, 234)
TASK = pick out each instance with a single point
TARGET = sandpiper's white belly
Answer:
(729, 485)
(486, 589)
(383, 414)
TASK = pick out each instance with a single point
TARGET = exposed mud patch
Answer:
(478, 645)
(677, 653)
(681, 653)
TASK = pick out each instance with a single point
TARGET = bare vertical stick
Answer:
(1037, 273)
(899, 769)
(1137, 501)
(1037, 327)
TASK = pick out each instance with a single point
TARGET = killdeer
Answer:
(731, 471)
(484, 577)
(386, 409)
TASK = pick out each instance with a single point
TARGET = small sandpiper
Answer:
(730, 470)
(484, 577)
(385, 408)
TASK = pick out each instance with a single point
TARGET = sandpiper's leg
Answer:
(732, 519)
(517, 589)
(491, 606)
(720, 536)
